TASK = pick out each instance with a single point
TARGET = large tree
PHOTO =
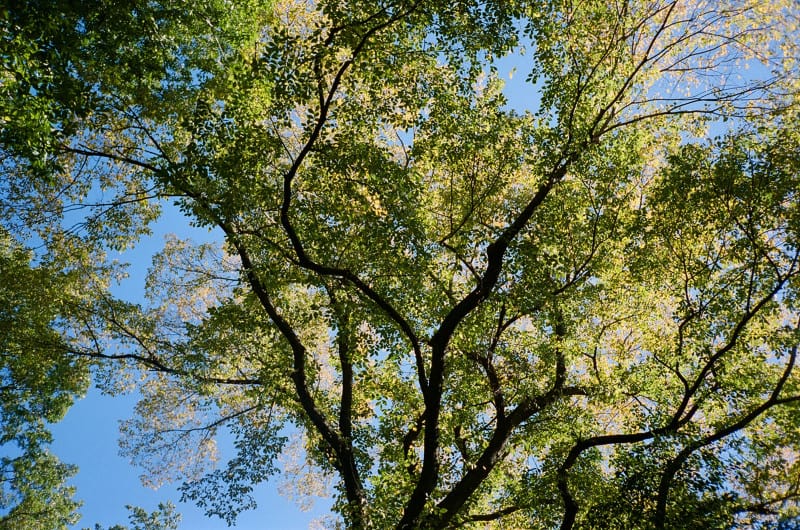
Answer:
(581, 313)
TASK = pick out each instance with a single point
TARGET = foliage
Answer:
(162, 518)
(72, 70)
(579, 314)
(38, 381)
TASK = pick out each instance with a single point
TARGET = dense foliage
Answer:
(579, 312)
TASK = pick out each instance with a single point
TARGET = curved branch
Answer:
(727, 347)
(681, 416)
(676, 463)
(494, 451)
(157, 365)
(112, 156)
(488, 517)
(303, 259)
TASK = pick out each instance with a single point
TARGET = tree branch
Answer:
(354, 488)
(303, 259)
(676, 463)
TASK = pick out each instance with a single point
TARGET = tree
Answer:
(38, 381)
(67, 70)
(580, 315)
(163, 518)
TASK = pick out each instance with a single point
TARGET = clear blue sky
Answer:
(106, 482)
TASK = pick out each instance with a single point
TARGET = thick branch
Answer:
(495, 254)
(354, 488)
(494, 452)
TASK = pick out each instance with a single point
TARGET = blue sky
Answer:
(88, 436)
(106, 482)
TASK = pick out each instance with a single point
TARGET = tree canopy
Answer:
(578, 313)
